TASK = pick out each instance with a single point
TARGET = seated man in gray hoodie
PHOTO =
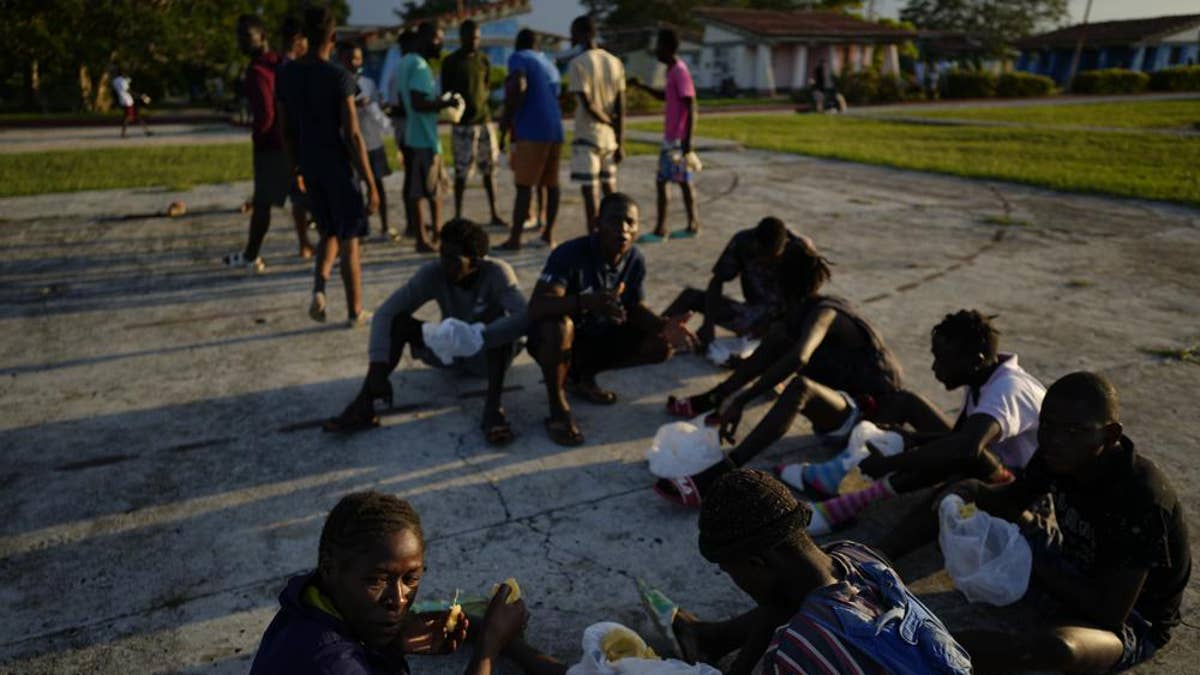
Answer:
(467, 285)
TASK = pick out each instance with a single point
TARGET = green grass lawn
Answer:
(1150, 166)
(1131, 114)
(174, 167)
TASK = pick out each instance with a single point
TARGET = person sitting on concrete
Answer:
(753, 255)
(587, 315)
(467, 285)
(1112, 553)
(840, 370)
(838, 608)
(994, 436)
(350, 616)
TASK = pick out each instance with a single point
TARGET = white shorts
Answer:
(590, 164)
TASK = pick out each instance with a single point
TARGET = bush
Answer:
(497, 75)
(638, 102)
(969, 84)
(1023, 85)
(1110, 81)
(869, 86)
(1178, 78)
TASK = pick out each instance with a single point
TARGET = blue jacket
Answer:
(303, 640)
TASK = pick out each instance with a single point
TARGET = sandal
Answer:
(680, 491)
(497, 431)
(564, 431)
(354, 418)
(592, 393)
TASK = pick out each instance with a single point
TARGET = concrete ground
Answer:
(163, 474)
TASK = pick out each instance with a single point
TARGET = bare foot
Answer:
(549, 240)
(306, 251)
(510, 245)
(425, 247)
(497, 221)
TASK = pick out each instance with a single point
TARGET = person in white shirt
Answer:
(994, 436)
(374, 124)
(123, 94)
(597, 79)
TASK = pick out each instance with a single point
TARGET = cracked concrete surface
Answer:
(163, 473)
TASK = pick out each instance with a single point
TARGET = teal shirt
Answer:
(420, 130)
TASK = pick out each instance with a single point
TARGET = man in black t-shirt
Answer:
(754, 256)
(1110, 545)
(324, 144)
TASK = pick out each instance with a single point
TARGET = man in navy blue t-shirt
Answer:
(587, 315)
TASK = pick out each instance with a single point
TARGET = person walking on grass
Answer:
(467, 72)
(322, 136)
(532, 116)
(679, 121)
(597, 80)
(273, 177)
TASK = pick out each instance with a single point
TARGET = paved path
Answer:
(163, 475)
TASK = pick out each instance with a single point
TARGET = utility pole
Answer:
(1087, 12)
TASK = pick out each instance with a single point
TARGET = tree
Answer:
(415, 10)
(997, 23)
(632, 13)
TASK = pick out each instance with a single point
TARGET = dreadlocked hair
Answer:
(803, 271)
(971, 331)
(362, 518)
(748, 512)
(472, 240)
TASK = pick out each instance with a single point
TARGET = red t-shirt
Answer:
(260, 93)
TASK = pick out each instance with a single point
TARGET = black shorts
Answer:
(379, 163)
(423, 174)
(596, 348)
(337, 204)
(272, 178)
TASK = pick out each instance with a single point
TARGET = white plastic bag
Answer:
(889, 443)
(595, 662)
(455, 112)
(452, 338)
(683, 449)
(723, 349)
(986, 556)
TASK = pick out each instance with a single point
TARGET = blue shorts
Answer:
(1137, 647)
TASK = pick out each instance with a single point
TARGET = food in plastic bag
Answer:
(455, 112)
(452, 338)
(986, 556)
(721, 350)
(684, 448)
(631, 655)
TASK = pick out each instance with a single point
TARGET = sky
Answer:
(555, 16)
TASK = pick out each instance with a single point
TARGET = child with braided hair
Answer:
(350, 616)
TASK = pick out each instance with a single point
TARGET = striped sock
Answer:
(840, 510)
(827, 476)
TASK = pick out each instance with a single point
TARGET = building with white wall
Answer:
(767, 51)
(1147, 45)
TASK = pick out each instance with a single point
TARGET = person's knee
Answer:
(557, 333)
(1061, 648)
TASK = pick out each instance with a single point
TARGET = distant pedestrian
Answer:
(467, 72)
(597, 80)
(273, 177)
(320, 125)
(292, 46)
(390, 84)
(121, 84)
(533, 117)
(373, 123)
(424, 174)
(674, 159)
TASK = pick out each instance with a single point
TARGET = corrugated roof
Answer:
(800, 23)
(1104, 33)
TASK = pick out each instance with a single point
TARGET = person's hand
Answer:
(619, 153)
(730, 414)
(426, 634)
(372, 201)
(300, 184)
(706, 334)
(676, 333)
(876, 465)
(605, 304)
(502, 623)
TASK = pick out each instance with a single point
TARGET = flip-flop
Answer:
(498, 433)
(662, 611)
(650, 238)
(564, 432)
(350, 421)
(679, 491)
(683, 234)
(592, 394)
